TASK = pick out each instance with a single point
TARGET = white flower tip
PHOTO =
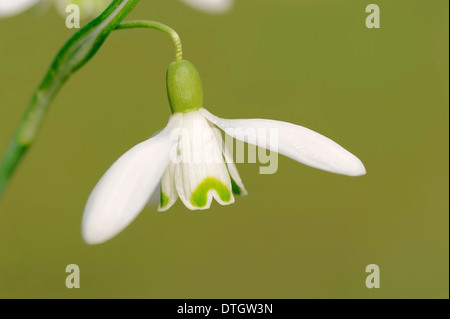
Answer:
(211, 6)
(355, 168)
(342, 162)
(12, 7)
(97, 228)
(94, 235)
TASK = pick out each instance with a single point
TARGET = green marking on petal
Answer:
(199, 196)
(164, 200)
(236, 189)
(234, 186)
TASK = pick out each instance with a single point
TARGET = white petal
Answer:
(232, 169)
(13, 7)
(210, 6)
(201, 174)
(168, 193)
(126, 187)
(294, 141)
(155, 197)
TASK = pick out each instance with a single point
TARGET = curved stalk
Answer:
(157, 26)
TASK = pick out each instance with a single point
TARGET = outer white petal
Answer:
(211, 6)
(294, 141)
(155, 197)
(126, 187)
(201, 173)
(13, 7)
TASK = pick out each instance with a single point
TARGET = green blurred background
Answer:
(300, 233)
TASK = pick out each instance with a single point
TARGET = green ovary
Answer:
(199, 197)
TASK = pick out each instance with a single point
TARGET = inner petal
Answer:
(201, 173)
(199, 196)
(168, 190)
(236, 182)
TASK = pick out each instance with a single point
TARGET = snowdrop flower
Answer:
(88, 8)
(210, 6)
(13, 7)
(92, 8)
(174, 164)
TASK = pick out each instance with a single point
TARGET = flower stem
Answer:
(79, 49)
(157, 26)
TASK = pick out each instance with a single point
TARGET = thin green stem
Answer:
(79, 49)
(157, 26)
